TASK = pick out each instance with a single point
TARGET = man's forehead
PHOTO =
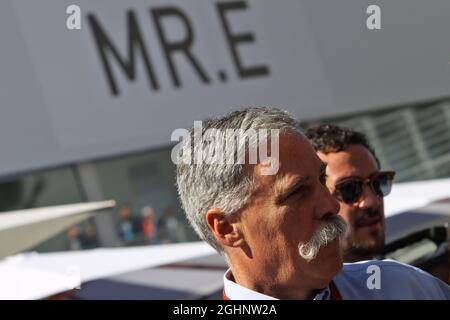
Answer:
(294, 145)
(291, 145)
(356, 160)
(297, 159)
(291, 178)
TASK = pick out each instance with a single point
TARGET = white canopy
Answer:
(413, 195)
(36, 276)
(24, 229)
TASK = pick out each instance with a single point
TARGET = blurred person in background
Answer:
(79, 238)
(355, 179)
(149, 229)
(128, 225)
(89, 236)
(174, 229)
(74, 242)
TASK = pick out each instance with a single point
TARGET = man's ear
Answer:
(225, 228)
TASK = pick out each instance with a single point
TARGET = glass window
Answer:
(412, 140)
(148, 210)
(48, 188)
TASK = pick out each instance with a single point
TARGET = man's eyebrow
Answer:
(338, 180)
(352, 177)
(283, 193)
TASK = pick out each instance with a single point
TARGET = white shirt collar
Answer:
(235, 291)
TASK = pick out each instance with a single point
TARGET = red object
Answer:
(224, 295)
(335, 294)
(147, 227)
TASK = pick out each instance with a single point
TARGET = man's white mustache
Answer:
(331, 228)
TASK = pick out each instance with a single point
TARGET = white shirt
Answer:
(365, 280)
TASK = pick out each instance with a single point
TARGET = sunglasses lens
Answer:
(382, 185)
(350, 191)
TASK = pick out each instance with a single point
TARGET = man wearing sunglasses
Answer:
(356, 181)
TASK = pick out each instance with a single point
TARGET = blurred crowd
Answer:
(144, 228)
(149, 227)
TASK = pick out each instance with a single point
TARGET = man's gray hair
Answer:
(228, 187)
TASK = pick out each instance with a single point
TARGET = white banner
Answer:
(122, 75)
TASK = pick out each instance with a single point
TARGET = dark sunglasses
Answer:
(350, 190)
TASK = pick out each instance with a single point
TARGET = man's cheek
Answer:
(351, 218)
(346, 212)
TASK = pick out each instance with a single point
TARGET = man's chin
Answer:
(325, 266)
(365, 251)
(330, 255)
(329, 260)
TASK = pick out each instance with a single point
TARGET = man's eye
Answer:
(323, 178)
(299, 191)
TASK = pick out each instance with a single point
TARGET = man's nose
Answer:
(330, 203)
(368, 198)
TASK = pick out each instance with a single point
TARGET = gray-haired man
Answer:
(280, 233)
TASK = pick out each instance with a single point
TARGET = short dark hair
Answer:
(328, 138)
